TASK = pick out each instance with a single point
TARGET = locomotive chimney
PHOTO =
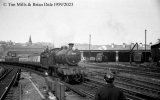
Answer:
(71, 45)
(63, 47)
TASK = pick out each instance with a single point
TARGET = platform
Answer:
(59, 90)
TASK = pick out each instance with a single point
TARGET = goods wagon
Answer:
(92, 59)
(138, 57)
(11, 59)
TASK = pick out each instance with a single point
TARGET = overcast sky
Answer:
(108, 21)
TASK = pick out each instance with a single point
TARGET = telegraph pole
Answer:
(89, 46)
(145, 43)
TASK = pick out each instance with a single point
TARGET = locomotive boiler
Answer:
(68, 56)
(63, 62)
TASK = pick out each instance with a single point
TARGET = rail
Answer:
(11, 78)
(152, 73)
(129, 93)
(130, 89)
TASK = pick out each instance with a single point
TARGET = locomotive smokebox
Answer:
(71, 45)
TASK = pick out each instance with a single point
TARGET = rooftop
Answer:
(111, 47)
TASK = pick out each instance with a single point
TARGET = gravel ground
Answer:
(29, 82)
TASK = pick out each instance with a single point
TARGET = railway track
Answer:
(151, 85)
(131, 91)
(150, 66)
(82, 90)
(141, 81)
(89, 88)
(141, 67)
(36, 68)
(6, 82)
(126, 69)
(136, 87)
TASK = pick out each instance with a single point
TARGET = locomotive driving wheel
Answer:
(66, 79)
(77, 78)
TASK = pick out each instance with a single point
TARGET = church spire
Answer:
(30, 40)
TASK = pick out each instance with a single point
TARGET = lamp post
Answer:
(145, 43)
(89, 47)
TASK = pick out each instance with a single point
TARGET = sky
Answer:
(107, 21)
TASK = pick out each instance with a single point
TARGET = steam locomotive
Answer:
(100, 57)
(63, 62)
